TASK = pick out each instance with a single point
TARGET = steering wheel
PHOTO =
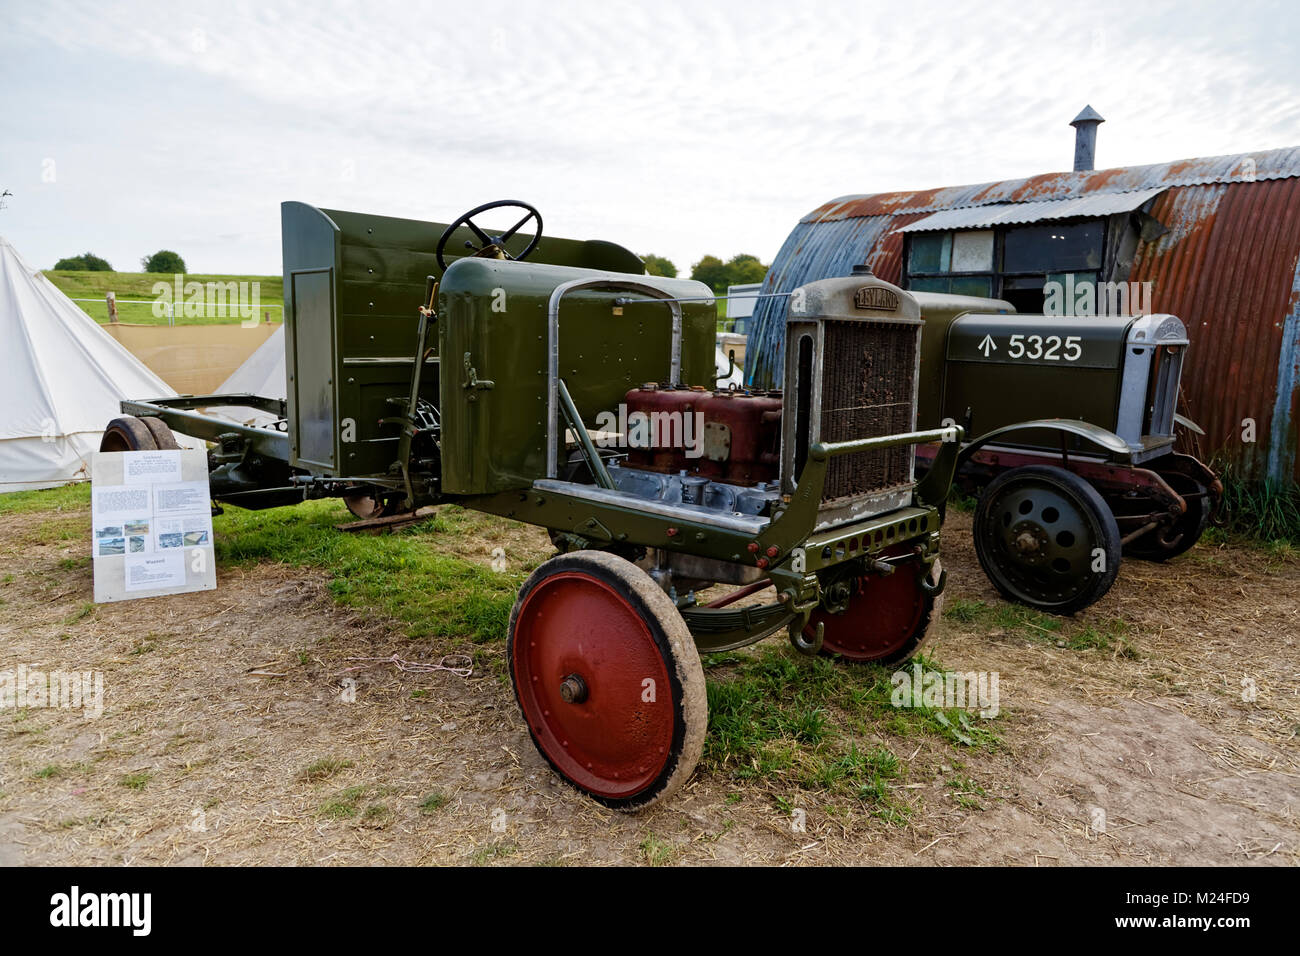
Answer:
(492, 246)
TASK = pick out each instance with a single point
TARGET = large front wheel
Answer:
(608, 679)
(1045, 538)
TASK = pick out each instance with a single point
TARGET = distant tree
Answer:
(659, 266)
(745, 268)
(712, 271)
(717, 275)
(164, 260)
(86, 262)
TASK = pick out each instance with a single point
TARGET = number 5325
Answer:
(1050, 348)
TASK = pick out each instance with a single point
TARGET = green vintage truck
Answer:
(1070, 431)
(552, 382)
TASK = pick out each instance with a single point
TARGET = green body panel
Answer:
(1046, 379)
(494, 437)
(938, 310)
(353, 285)
(1003, 390)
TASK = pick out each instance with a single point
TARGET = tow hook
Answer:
(801, 643)
(935, 589)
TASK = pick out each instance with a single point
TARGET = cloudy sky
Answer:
(675, 128)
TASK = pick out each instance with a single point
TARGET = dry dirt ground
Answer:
(226, 739)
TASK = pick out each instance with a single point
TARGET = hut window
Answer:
(956, 262)
(1053, 247)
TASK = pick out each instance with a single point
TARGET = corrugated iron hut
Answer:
(1218, 239)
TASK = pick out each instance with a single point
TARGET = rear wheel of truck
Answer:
(128, 433)
(608, 679)
(163, 436)
(888, 618)
(1161, 544)
(1045, 538)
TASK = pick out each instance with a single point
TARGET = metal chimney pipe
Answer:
(1085, 138)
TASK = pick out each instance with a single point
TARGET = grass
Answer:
(801, 722)
(434, 802)
(400, 574)
(493, 851)
(324, 769)
(136, 781)
(73, 497)
(657, 851)
(343, 804)
(1266, 511)
(87, 608)
(1020, 621)
(139, 286)
(798, 723)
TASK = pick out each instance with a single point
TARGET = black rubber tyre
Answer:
(1046, 539)
(128, 433)
(608, 679)
(1161, 544)
(163, 436)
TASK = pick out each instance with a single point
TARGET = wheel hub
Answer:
(573, 689)
(1031, 542)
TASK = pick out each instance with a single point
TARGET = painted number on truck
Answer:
(1049, 348)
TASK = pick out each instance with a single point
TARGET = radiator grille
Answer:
(867, 386)
(1162, 391)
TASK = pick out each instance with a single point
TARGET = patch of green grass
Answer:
(136, 781)
(1262, 511)
(434, 802)
(961, 502)
(45, 773)
(87, 608)
(402, 575)
(131, 287)
(73, 497)
(1112, 634)
(343, 805)
(73, 564)
(377, 814)
(785, 718)
(493, 851)
(656, 851)
(1015, 618)
(324, 768)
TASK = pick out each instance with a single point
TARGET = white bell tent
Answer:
(63, 377)
(263, 375)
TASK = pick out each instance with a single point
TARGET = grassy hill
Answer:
(139, 286)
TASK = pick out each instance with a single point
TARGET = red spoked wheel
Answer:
(608, 679)
(888, 618)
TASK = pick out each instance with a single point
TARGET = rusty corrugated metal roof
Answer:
(1235, 168)
(1003, 214)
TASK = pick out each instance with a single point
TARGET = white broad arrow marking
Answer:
(987, 345)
